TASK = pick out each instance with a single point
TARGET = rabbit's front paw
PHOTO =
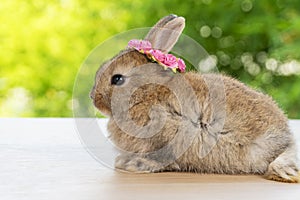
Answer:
(137, 164)
(283, 172)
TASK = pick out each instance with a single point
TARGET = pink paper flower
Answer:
(140, 45)
(181, 65)
(170, 61)
(134, 44)
(165, 60)
(158, 55)
(145, 45)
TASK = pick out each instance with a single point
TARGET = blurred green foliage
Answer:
(43, 44)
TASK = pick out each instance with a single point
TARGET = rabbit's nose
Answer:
(92, 93)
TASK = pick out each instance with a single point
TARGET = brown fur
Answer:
(255, 138)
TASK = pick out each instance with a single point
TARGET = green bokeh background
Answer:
(43, 44)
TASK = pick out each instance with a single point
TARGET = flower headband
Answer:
(165, 60)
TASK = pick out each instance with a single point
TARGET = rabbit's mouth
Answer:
(101, 102)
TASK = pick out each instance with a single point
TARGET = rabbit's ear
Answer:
(165, 33)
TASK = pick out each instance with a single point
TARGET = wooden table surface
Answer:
(44, 159)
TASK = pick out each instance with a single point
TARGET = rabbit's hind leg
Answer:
(284, 168)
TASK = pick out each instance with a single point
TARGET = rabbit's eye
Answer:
(117, 79)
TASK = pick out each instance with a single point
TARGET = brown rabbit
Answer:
(207, 123)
